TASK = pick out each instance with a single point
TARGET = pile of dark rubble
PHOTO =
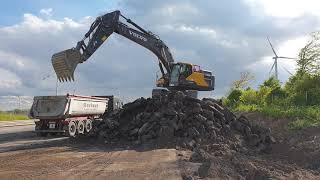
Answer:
(192, 121)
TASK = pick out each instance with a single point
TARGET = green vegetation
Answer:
(10, 116)
(298, 98)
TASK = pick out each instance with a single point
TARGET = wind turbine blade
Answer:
(282, 57)
(272, 67)
(272, 47)
(287, 71)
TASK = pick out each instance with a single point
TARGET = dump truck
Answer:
(70, 115)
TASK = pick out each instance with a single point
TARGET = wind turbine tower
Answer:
(276, 57)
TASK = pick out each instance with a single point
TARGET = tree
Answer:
(249, 96)
(309, 56)
(272, 83)
(244, 81)
(234, 95)
(304, 87)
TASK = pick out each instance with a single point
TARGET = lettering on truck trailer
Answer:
(137, 36)
(90, 106)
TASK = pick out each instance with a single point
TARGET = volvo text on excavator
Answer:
(175, 75)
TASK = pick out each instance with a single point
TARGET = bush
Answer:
(247, 108)
(263, 94)
(233, 98)
(249, 96)
(299, 98)
(303, 90)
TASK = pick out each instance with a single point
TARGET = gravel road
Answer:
(23, 155)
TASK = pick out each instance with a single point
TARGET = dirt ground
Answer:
(24, 156)
(71, 159)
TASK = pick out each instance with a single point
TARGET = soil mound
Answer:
(191, 122)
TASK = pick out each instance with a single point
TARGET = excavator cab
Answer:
(185, 76)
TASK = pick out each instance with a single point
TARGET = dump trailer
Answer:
(70, 115)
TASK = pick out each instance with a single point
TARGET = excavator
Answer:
(174, 75)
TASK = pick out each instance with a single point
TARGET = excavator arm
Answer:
(65, 62)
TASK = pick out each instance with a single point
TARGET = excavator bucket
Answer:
(65, 62)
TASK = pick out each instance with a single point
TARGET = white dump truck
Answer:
(70, 115)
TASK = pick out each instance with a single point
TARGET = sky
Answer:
(227, 37)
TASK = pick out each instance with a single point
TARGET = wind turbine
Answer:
(275, 64)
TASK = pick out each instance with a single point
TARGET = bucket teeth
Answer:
(62, 79)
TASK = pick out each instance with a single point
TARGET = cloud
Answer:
(15, 102)
(35, 24)
(47, 12)
(289, 48)
(27, 47)
(8, 80)
(286, 8)
(226, 37)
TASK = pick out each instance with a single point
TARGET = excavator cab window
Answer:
(186, 70)
(179, 72)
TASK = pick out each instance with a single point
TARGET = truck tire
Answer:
(72, 129)
(88, 125)
(80, 127)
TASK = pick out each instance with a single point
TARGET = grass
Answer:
(10, 117)
(306, 116)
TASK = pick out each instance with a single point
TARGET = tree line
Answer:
(301, 89)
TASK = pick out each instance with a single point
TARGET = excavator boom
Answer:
(184, 77)
(65, 62)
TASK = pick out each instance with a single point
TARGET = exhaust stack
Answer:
(65, 62)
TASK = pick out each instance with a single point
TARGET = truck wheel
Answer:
(72, 129)
(88, 125)
(80, 127)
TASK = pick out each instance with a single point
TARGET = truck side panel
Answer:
(81, 106)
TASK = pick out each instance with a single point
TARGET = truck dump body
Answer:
(69, 115)
(56, 107)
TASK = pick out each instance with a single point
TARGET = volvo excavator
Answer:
(174, 75)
